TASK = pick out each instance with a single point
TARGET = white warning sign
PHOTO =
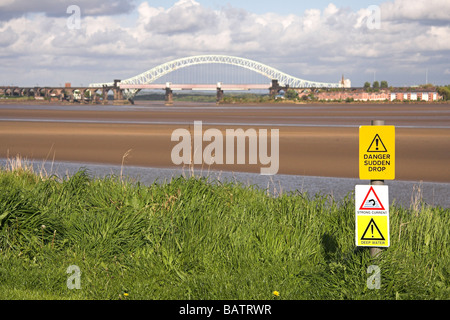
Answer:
(372, 216)
(372, 199)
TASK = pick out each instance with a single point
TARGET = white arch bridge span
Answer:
(278, 80)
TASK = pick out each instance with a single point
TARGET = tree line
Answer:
(376, 85)
(444, 91)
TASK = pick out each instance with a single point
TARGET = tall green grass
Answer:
(199, 239)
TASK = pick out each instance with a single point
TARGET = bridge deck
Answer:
(203, 87)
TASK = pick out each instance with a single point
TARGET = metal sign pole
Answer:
(376, 251)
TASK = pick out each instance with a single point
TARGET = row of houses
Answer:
(360, 95)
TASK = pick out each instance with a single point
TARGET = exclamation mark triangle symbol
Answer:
(372, 232)
(377, 145)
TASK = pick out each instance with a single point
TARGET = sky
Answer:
(51, 42)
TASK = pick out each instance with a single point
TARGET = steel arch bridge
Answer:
(155, 73)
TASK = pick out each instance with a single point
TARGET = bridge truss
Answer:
(155, 73)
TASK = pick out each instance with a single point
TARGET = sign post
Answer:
(377, 164)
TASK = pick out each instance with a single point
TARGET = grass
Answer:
(204, 240)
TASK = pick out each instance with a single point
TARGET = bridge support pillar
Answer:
(118, 94)
(105, 91)
(219, 95)
(70, 93)
(94, 96)
(82, 96)
(169, 97)
(274, 89)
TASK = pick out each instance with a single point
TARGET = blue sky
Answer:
(313, 40)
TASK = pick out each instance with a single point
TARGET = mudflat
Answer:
(314, 140)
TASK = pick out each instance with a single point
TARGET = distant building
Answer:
(345, 83)
(357, 95)
(416, 94)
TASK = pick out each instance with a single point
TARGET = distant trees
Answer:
(375, 86)
(444, 92)
(291, 94)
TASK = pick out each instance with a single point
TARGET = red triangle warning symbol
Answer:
(371, 201)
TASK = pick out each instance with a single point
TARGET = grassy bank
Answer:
(198, 239)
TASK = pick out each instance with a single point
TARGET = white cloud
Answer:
(418, 10)
(7, 37)
(16, 8)
(186, 16)
(319, 45)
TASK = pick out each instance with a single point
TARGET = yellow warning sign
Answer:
(372, 231)
(377, 152)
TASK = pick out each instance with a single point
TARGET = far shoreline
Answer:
(19, 101)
